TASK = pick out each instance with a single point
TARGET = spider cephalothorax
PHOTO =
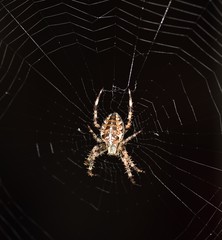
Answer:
(112, 139)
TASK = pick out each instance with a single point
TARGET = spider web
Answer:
(55, 58)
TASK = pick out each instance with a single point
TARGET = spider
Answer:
(112, 139)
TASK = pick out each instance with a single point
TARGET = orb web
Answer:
(55, 58)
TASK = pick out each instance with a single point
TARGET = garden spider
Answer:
(112, 139)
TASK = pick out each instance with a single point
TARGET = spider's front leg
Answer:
(95, 152)
(128, 163)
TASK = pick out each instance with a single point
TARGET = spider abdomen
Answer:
(112, 130)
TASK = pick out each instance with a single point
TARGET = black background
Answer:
(52, 79)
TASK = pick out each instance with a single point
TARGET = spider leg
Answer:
(130, 112)
(94, 153)
(95, 114)
(94, 135)
(131, 137)
(128, 164)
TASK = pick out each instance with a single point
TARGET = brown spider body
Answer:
(112, 139)
(112, 133)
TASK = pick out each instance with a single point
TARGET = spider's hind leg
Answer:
(130, 111)
(95, 112)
